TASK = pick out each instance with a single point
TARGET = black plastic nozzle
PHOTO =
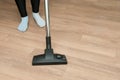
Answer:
(49, 58)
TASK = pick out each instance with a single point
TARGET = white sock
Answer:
(39, 20)
(24, 24)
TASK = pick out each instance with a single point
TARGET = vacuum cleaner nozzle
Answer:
(49, 58)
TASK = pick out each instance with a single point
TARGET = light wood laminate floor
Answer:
(86, 31)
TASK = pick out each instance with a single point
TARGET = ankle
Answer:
(36, 14)
(24, 19)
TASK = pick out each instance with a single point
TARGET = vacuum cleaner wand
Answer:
(48, 58)
(47, 16)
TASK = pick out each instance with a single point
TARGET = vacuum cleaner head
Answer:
(49, 58)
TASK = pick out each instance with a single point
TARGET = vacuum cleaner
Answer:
(49, 57)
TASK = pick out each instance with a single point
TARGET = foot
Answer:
(39, 20)
(24, 24)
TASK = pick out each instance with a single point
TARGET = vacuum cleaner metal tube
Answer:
(47, 16)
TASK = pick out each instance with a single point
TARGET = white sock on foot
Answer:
(39, 20)
(24, 24)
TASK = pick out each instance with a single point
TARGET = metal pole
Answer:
(47, 16)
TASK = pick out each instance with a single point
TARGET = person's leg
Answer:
(35, 9)
(21, 4)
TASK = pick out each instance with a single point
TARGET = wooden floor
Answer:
(86, 31)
